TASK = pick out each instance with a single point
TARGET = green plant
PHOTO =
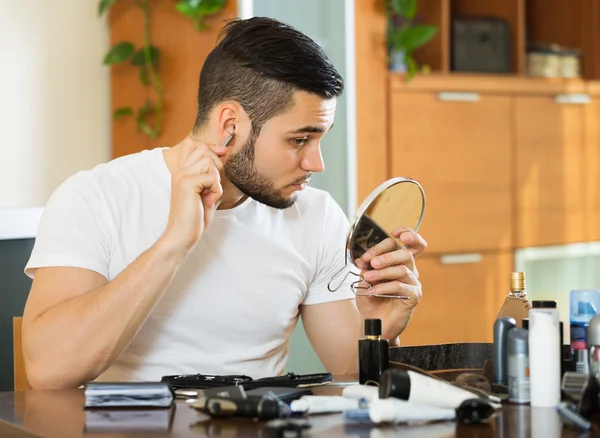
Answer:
(198, 10)
(148, 116)
(407, 37)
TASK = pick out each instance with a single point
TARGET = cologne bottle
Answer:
(373, 354)
(516, 305)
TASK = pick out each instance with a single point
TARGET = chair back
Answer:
(20, 375)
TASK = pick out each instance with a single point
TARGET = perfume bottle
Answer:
(373, 354)
(516, 305)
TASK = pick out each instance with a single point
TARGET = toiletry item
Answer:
(396, 411)
(373, 354)
(319, 404)
(593, 343)
(584, 304)
(570, 417)
(551, 304)
(366, 392)
(258, 408)
(518, 365)
(501, 328)
(583, 390)
(419, 388)
(516, 305)
(544, 365)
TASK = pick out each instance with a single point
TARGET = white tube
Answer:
(419, 388)
(361, 391)
(393, 410)
(544, 363)
(319, 404)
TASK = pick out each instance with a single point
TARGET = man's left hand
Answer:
(392, 272)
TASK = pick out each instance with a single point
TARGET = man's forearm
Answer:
(76, 340)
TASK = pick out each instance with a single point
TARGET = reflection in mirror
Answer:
(398, 203)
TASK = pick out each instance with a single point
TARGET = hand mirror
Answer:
(397, 203)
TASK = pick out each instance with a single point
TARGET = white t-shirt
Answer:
(234, 303)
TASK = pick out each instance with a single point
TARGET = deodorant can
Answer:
(518, 365)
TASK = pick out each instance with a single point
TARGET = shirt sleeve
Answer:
(74, 228)
(332, 260)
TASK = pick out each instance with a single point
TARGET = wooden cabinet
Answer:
(592, 162)
(462, 295)
(550, 170)
(457, 145)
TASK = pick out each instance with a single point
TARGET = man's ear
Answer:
(227, 118)
(231, 118)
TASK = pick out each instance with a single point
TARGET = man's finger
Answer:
(397, 288)
(398, 257)
(411, 239)
(382, 247)
(401, 273)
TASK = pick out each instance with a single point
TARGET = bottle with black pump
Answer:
(373, 354)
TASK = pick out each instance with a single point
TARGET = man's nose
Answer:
(313, 160)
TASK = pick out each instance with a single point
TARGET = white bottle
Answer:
(544, 364)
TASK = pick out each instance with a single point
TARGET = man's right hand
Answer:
(195, 190)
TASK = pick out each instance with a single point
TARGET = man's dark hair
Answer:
(260, 63)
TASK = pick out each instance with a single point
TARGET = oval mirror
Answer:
(397, 203)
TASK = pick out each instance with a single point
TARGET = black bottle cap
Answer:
(525, 323)
(373, 327)
(543, 304)
(394, 383)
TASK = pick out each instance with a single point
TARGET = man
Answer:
(201, 257)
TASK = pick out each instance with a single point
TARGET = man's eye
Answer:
(300, 141)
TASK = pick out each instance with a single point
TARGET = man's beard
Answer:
(242, 173)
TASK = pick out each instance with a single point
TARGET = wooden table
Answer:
(59, 414)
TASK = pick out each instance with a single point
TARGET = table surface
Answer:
(59, 414)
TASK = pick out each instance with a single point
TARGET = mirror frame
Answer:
(367, 202)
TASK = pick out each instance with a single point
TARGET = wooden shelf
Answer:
(502, 84)
(573, 24)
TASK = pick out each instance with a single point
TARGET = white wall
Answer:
(54, 96)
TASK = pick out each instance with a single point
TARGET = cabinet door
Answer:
(457, 145)
(592, 160)
(550, 173)
(462, 295)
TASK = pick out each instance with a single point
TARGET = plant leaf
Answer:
(186, 9)
(410, 38)
(405, 8)
(412, 67)
(139, 56)
(104, 5)
(122, 112)
(207, 7)
(119, 53)
(146, 129)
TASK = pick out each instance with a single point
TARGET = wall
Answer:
(55, 105)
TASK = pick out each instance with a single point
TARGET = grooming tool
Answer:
(228, 140)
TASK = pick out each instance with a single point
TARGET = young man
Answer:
(201, 257)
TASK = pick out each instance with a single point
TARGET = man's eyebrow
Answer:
(309, 130)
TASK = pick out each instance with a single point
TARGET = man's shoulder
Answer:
(318, 205)
(113, 175)
(312, 196)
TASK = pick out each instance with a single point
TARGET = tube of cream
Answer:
(419, 388)
(318, 404)
(367, 392)
(393, 410)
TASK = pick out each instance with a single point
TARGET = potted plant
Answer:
(404, 36)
